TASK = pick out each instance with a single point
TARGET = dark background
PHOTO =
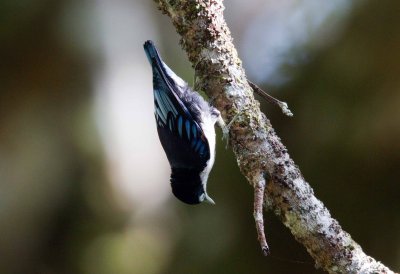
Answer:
(84, 181)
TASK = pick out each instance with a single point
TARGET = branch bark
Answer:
(208, 43)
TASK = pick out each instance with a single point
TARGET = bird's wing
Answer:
(181, 136)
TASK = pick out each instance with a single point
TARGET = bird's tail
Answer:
(159, 67)
(151, 52)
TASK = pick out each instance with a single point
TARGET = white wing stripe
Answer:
(161, 110)
(168, 102)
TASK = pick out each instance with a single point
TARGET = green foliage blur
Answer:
(61, 207)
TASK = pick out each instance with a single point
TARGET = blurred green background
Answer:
(84, 183)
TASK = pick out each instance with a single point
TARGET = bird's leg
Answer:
(194, 74)
(284, 107)
(225, 127)
(221, 123)
(259, 192)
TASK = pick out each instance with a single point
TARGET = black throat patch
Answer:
(186, 185)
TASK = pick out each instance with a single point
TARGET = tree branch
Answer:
(208, 43)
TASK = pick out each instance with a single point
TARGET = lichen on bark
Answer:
(207, 41)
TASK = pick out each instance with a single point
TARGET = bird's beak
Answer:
(209, 200)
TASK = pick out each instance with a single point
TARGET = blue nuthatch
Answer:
(185, 125)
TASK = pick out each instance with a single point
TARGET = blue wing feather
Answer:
(177, 129)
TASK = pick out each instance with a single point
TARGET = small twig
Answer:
(283, 105)
(259, 189)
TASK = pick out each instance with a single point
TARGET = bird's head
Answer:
(187, 186)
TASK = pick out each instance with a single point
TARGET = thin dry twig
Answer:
(259, 192)
(283, 105)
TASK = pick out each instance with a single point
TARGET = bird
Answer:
(185, 125)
